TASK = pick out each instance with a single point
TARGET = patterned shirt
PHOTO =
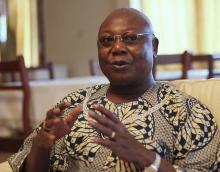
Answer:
(175, 125)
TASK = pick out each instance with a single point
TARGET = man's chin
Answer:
(121, 81)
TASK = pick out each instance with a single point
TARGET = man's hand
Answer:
(55, 126)
(120, 141)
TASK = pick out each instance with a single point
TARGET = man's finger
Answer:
(101, 128)
(105, 112)
(56, 111)
(103, 120)
(105, 142)
(63, 105)
(52, 122)
(73, 115)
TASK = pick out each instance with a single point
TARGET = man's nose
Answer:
(119, 48)
(118, 42)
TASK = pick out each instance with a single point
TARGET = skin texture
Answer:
(127, 83)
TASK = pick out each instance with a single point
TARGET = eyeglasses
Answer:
(126, 38)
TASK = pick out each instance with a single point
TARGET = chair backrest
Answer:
(18, 66)
(215, 57)
(42, 70)
(200, 58)
(94, 67)
(168, 59)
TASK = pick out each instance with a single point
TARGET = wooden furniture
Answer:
(200, 59)
(216, 72)
(10, 67)
(37, 73)
(168, 59)
(47, 67)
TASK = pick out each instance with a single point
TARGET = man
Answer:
(132, 124)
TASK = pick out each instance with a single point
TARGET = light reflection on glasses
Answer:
(127, 39)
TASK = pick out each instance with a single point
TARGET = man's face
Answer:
(125, 62)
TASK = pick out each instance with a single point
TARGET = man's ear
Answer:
(155, 43)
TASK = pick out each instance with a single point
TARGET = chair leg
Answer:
(26, 113)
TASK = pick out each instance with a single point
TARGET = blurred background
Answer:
(65, 32)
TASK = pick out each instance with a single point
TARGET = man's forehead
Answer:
(124, 15)
(122, 25)
(126, 18)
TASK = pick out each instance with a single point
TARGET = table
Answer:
(44, 95)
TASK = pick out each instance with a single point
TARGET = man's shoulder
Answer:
(182, 104)
(83, 92)
(175, 92)
(168, 90)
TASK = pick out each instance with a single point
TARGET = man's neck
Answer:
(121, 94)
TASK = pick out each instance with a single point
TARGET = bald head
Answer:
(132, 16)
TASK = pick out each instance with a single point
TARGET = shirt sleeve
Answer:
(16, 160)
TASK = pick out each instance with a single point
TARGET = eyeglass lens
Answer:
(127, 39)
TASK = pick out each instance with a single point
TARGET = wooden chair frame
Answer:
(215, 57)
(182, 59)
(48, 67)
(11, 67)
(207, 58)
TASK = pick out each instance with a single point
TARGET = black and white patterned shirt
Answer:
(175, 125)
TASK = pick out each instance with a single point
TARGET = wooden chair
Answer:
(194, 72)
(37, 73)
(48, 68)
(94, 67)
(216, 72)
(10, 67)
(170, 59)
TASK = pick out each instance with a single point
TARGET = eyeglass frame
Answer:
(138, 35)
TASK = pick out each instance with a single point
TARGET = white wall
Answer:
(71, 28)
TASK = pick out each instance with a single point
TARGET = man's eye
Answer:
(130, 38)
(107, 39)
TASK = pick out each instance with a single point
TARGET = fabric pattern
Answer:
(176, 126)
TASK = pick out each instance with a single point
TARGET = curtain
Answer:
(8, 45)
(23, 28)
(3, 26)
(184, 24)
(209, 26)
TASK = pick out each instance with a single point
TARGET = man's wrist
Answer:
(144, 159)
(154, 167)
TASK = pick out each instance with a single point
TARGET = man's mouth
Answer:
(120, 64)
